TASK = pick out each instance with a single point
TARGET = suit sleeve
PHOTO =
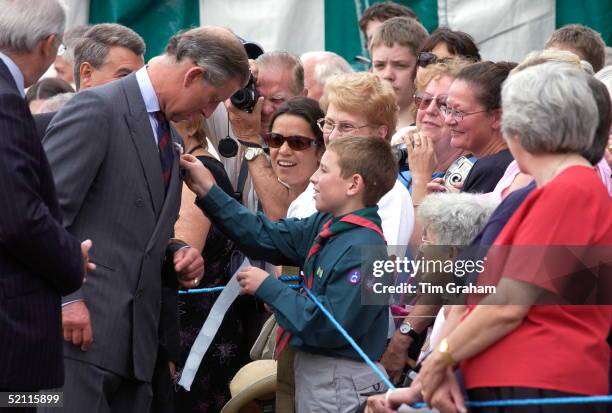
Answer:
(28, 230)
(76, 142)
(285, 242)
(299, 315)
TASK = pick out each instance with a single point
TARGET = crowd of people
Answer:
(128, 186)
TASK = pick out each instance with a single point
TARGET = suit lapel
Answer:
(144, 140)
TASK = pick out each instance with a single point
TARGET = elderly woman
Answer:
(429, 150)
(296, 143)
(515, 349)
(429, 156)
(361, 104)
(438, 216)
(473, 113)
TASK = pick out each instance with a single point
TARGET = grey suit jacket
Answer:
(107, 171)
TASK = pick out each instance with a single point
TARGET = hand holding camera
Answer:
(244, 109)
(246, 125)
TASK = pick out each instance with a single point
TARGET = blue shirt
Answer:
(15, 72)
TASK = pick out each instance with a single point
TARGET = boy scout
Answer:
(354, 173)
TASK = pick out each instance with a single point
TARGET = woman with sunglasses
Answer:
(296, 143)
(429, 150)
(473, 114)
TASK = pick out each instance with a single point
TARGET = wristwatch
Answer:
(252, 153)
(445, 353)
(407, 330)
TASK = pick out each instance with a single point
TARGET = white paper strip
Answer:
(209, 329)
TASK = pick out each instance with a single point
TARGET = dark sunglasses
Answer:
(426, 58)
(422, 100)
(296, 142)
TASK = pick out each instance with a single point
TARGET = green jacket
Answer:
(337, 281)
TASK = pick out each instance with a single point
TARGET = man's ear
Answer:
(49, 46)
(85, 75)
(193, 75)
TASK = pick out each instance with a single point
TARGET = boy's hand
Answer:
(250, 278)
(198, 178)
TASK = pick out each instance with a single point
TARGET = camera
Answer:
(457, 171)
(246, 98)
(401, 153)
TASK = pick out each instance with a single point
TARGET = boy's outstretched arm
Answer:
(285, 242)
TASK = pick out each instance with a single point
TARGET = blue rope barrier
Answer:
(290, 278)
(370, 363)
(528, 402)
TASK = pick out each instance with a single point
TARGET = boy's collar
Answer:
(370, 213)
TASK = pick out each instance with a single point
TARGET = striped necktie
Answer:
(166, 156)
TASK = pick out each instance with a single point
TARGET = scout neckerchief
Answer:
(366, 218)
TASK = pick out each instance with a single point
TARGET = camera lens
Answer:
(241, 99)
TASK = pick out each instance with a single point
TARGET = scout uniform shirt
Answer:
(337, 277)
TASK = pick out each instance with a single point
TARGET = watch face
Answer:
(405, 328)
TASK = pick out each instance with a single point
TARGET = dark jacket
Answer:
(39, 259)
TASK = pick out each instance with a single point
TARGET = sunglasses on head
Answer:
(295, 142)
(422, 100)
(426, 58)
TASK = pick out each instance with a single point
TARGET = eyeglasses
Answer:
(422, 100)
(295, 142)
(457, 114)
(328, 126)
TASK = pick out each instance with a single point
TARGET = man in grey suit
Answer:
(116, 170)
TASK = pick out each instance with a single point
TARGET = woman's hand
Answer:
(447, 398)
(432, 374)
(198, 178)
(421, 156)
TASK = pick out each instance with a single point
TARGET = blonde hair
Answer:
(363, 94)
(435, 71)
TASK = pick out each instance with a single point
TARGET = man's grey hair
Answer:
(551, 109)
(285, 61)
(24, 23)
(327, 64)
(455, 218)
(217, 50)
(71, 40)
(55, 103)
(94, 45)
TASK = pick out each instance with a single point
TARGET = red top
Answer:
(556, 347)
